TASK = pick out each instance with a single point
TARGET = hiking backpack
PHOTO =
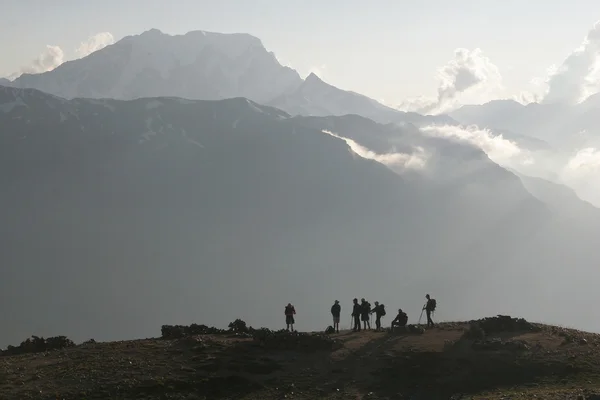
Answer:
(433, 304)
(382, 310)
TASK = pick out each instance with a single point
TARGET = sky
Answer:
(389, 50)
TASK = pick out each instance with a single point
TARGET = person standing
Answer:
(429, 309)
(336, 310)
(365, 310)
(379, 311)
(356, 310)
(290, 311)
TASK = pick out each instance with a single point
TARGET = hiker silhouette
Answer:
(429, 308)
(290, 311)
(356, 311)
(336, 310)
(400, 320)
(379, 311)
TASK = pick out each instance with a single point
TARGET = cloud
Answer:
(53, 56)
(579, 74)
(94, 43)
(395, 161)
(49, 59)
(469, 71)
(500, 150)
(584, 163)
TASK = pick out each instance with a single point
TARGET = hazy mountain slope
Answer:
(317, 98)
(554, 123)
(197, 65)
(121, 216)
(562, 199)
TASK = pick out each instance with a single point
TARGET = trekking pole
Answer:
(421, 316)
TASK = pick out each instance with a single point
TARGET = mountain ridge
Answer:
(232, 189)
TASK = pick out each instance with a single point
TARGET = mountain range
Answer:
(218, 184)
(205, 66)
(556, 123)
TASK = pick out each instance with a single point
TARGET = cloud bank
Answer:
(398, 162)
(500, 150)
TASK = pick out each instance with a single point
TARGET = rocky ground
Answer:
(495, 358)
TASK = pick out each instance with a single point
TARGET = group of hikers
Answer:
(361, 312)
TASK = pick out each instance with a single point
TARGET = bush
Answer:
(180, 331)
(239, 326)
(37, 344)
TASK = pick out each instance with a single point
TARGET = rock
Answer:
(504, 323)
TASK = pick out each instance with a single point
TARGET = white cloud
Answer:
(500, 150)
(470, 72)
(579, 74)
(395, 161)
(94, 43)
(49, 59)
(53, 56)
(584, 163)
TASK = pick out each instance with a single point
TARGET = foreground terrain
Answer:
(496, 358)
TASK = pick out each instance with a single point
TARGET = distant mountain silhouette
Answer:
(557, 124)
(206, 66)
(120, 216)
(197, 65)
(314, 97)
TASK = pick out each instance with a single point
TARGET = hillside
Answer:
(495, 358)
(144, 211)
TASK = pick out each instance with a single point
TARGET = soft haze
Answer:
(157, 168)
(388, 50)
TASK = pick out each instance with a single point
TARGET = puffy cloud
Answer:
(95, 43)
(49, 59)
(579, 74)
(469, 71)
(53, 56)
(584, 163)
(398, 162)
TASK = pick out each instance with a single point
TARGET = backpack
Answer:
(382, 310)
(433, 304)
